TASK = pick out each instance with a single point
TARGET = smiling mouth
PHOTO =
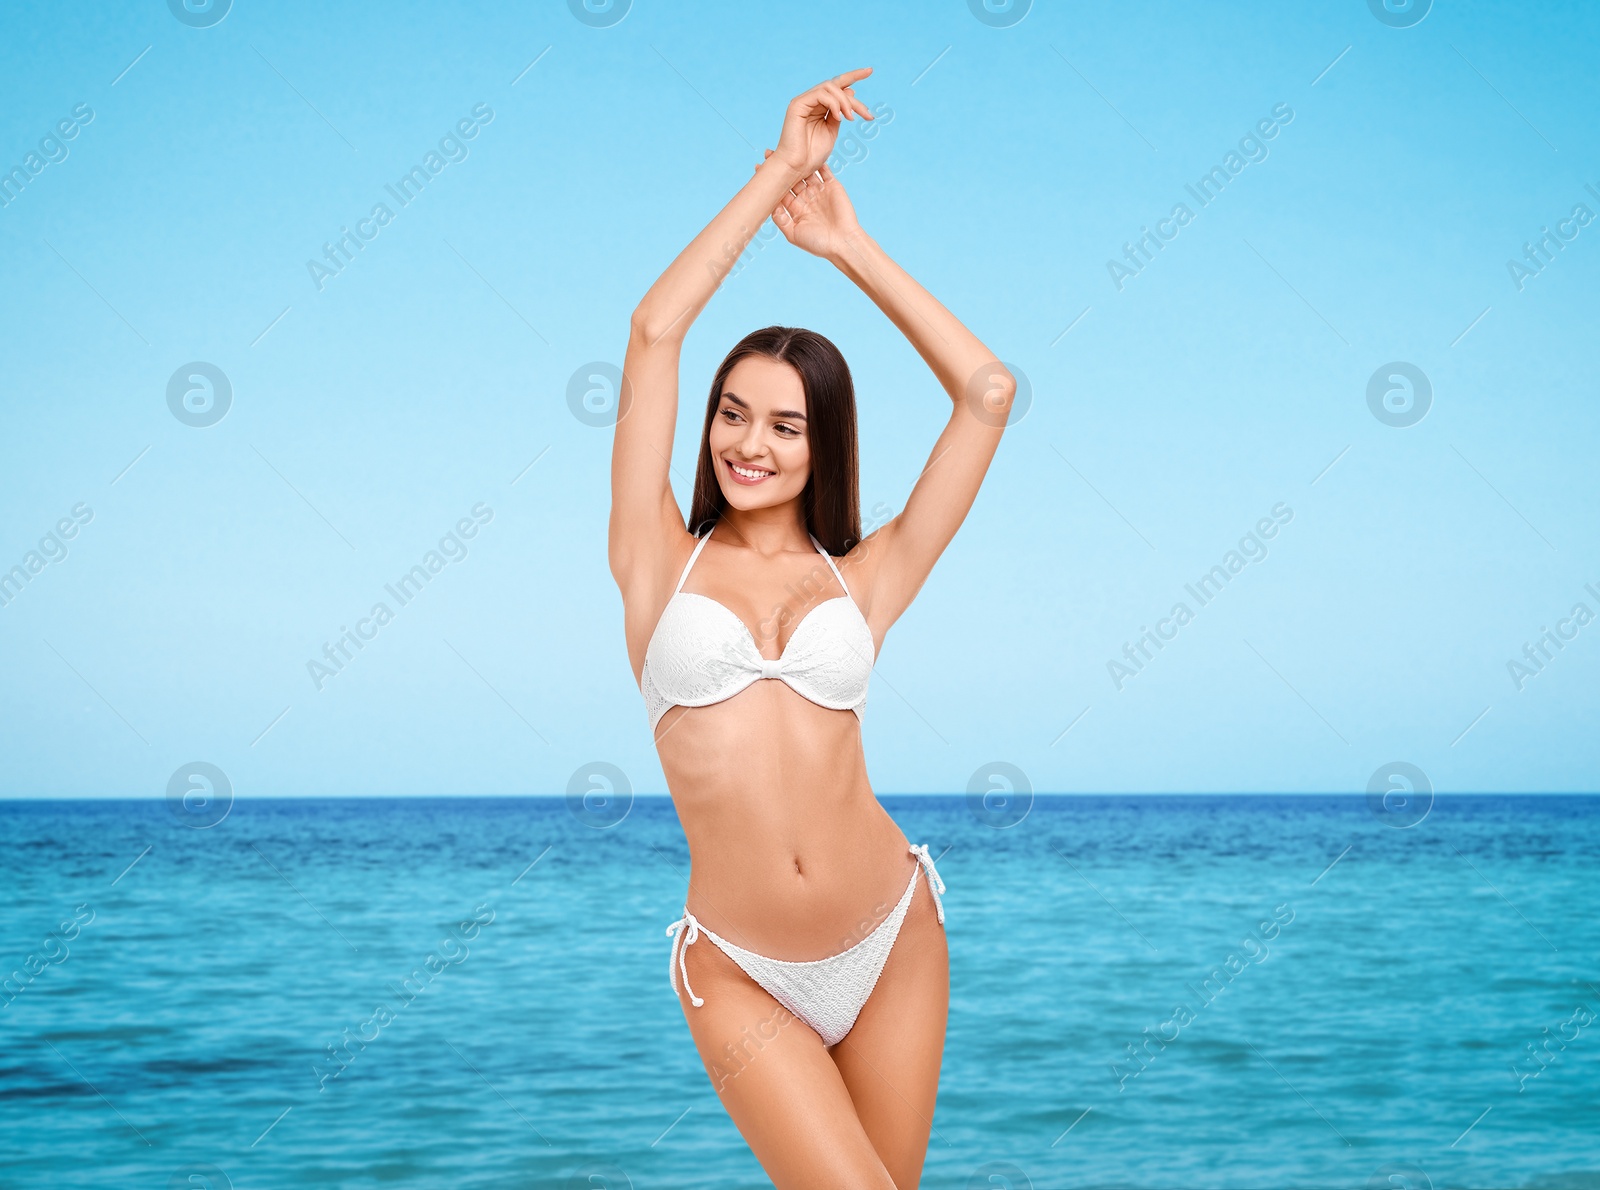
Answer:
(747, 475)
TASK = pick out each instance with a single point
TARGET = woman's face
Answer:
(758, 436)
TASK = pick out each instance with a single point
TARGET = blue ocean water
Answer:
(1151, 991)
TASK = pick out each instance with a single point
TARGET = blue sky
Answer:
(371, 412)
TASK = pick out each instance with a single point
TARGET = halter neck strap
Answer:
(829, 559)
(698, 547)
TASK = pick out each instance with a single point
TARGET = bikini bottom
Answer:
(827, 994)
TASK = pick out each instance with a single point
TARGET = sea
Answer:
(1179, 991)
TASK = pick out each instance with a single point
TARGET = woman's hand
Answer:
(816, 214)
(812, 122)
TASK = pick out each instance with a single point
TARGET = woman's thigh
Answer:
(890, 1060)
(776, 1080)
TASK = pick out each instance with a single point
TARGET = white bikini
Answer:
(702, 653)
(827, 994)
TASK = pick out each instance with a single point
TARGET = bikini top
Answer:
(701, 653)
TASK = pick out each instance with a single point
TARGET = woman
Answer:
(819, 1010)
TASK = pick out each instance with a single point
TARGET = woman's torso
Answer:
(791, 855)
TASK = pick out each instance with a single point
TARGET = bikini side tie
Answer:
(682, 939)
(935, 883)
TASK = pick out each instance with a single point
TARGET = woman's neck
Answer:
(768, 531)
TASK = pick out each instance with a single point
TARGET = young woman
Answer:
(819, 1009)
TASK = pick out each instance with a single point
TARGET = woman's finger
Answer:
(824, 97)
(841, 102)
(855, 101)
(809, 106)
(838, 82)
(830, 97)
(821, 106)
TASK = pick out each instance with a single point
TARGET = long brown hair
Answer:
(832, 498)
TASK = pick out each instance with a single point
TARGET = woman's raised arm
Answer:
(645, 519)
(896, 559)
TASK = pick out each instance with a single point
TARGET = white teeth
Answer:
(748, 474)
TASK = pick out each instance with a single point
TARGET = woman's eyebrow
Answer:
(787, 414)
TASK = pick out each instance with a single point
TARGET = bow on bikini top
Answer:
(701, 653)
